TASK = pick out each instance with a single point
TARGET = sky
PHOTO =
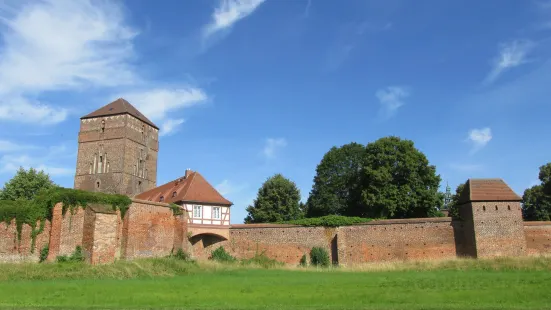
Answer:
(244, 89)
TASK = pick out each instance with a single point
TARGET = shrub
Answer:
(329, 221)
(77, 256)
(44, 253)
(262, 260)
(221, 255)
(180, 255)
(303, 261)
(319, 257)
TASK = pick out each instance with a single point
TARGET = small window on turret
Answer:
(97, 184)
(483, 208)
(173, 194)
(509, 208)
(103, 126)
(161, 198)
(496, 208)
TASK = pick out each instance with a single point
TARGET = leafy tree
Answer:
(454, 204)
(397, 181)
(336, 179)
(277, 200)
(536, 205)
(536, 201)
(26, 184)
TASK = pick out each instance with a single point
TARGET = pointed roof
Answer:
(191, 188)
(487, 190)
(117, 107)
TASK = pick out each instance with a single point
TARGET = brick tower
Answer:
(117, 150)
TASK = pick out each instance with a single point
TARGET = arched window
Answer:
(100, 164)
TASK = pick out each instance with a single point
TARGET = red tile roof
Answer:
(190, 188)
(487, 190)
(117, 107)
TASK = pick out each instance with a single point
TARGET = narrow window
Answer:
(509, 208)
(173, 194)
(496, 208)
(103, 126)
(107, 168)
(197, 211)
(100, 164)
(161, 198)
(216, 213)
(97, 184)
(483, 208)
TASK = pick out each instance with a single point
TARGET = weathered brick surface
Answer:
(148, 230)
(14, 249)
(538, 237)
(72, 226)
(105, 238)
(126, 145)
(498, 229)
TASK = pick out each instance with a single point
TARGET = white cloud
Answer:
(479, 138)
(170, 126)
(8, 146)
(391, 99)
(226, 187)
(272, 146)
(230, 12)
(511, 55)
(60, 45)
(159, 103)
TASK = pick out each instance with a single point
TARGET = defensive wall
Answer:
(150, 229)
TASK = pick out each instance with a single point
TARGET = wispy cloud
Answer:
(59, 45)
(307, 9)
(229, 12)
(272, 146)
(226, 187)
(391, 99)
(466, 167)
(160, 103)
(479, 138)
(9, 146)
(511, 55)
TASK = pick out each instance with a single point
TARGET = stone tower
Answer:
(492, 218)
(117, 150)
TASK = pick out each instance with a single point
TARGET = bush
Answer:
(303, 261)
(329, 221)
(319, 257)
(44, 253)
(262, 260)
(77, 256)
(181, 255)
(221, 255)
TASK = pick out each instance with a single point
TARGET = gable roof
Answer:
(117, 107)
(190, 188)
(487, 190)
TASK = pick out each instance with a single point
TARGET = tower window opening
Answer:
(173, 194)
(97, 184)
(103, 126)
(483, 208)
(496, 208)
(509, 208)
(161, 198)
(107, 168)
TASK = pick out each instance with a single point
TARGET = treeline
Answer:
(388, 178)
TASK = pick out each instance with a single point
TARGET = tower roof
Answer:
(189, 188)
(117, 107)
(487, 190)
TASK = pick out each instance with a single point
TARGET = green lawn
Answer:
(463, 287)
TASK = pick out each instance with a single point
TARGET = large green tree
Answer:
(536, 201)
(278, 200)
(337, 178)
(397, 181)
(26, 184)
(453, 210)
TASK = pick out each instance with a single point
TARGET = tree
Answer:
(397, 181)
(536, 201)
(454, 204)
(26, 184)
(278, 200)
(337, 177)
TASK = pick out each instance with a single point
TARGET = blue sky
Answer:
(243, 89)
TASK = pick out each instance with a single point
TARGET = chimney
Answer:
(188, 173)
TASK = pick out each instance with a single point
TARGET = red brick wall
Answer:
(498, 229)
(148, 230)
(538, 237)
(13, 249)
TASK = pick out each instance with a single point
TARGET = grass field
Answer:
(165, 283)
